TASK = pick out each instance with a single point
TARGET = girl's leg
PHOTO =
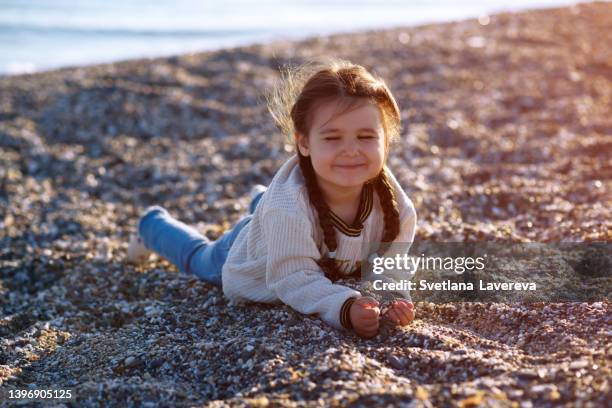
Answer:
(186, 248)
(215, 253)
(175, 241)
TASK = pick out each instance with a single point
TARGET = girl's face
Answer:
(349, 149)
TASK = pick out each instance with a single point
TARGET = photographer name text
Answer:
(448, 285)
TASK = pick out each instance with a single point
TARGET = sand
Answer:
(507, 136)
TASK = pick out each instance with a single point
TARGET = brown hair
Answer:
(292, 104)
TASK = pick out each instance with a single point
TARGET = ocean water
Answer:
(44, 34)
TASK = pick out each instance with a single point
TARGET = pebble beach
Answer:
(507, 137)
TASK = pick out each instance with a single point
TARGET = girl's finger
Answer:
(368, 335)
(373, 325)
(371, 329)
(406, 315)
(404, 303)
(411, 315)
(411, 311)
(403, 318)
(369, 314)
(406, 306)
(392, 313)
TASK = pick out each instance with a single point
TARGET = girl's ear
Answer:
(303, 144)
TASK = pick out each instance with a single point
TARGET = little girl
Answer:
(306, 230)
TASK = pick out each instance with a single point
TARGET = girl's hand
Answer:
(402, 312)
(364, 315)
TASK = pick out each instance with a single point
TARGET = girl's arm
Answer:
(291, 270)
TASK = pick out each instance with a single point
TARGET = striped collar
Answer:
(365, 208)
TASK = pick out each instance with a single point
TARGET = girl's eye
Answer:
(360, 137)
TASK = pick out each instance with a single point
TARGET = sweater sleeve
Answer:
(293, 274)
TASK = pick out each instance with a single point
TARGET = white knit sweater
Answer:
(273, 258)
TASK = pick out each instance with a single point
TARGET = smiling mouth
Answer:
(350, 166)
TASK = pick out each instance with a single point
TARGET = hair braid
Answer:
(390, 210)
(327, 264)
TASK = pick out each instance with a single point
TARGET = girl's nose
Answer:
(350, 147)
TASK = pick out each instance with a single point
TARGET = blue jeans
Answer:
(186, 248)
